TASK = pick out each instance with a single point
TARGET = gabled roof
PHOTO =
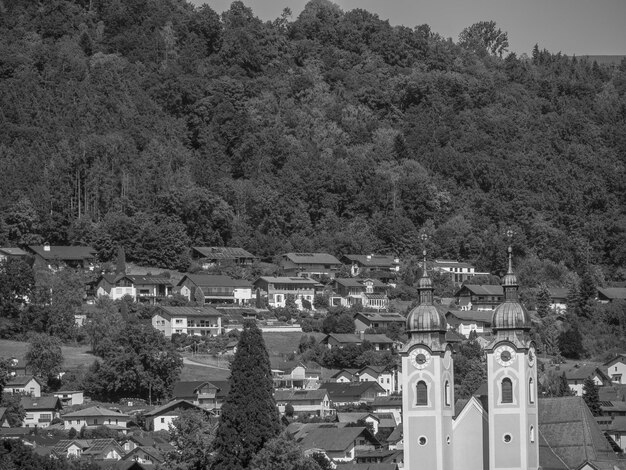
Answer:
(288, 280)
(482, 289)
(22, 380)
(153, 452)
(205, 311)
(209, 280)
(353, 282)
(174, 405)
(184, 389)
(222, 252)
(613, 293)
(382, 316)
(585, 371)
(444, 263)
(347, 338)
(311, 258)
(558, 293)
(9, 251)
(373, 261)
(350, 391)
(571, 431)
(300, 395)
(396, 434)
(65, 252)
(145, 279)
(99, 446)
(388, 401)
(331, 438)
(481, 316)
(354, 417)
(95, 411)
(41, 403)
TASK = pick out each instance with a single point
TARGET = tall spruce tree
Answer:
(120, 266)
(249, 415)
(543, 301)
(591, 396)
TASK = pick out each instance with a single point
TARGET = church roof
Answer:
(571, 432)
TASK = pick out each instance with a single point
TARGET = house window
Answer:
(531, 391)
(507, 391)
(162, 420)
(178, 321)
(421, 394)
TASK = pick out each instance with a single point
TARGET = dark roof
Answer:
(153, 452)
(366, 466)
(347, 338)
(312, 258)
(585, 371)
(40, 403)
(330, 437)
(613, 293)
(205, 311)
(352, 282)
(374, 261)
(210, 280)
(65, 252)
(558, 293)
(187, 389)
(299, 395)
(482, 289)
(351, 391)
(288, 280)
(172, 406)
(146, 279)
(388, 400)
(396, 434)
(222, 252)
(95, 411)
(382, 316)
(21, 380)
(571, 431)
(483, 316)
(356, 416)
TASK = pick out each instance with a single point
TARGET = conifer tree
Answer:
(249, 415)
(199, 296)
(120, 267)
(543, 301)
(591, 397)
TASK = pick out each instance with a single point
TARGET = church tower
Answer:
(512, 384)
(428, 386)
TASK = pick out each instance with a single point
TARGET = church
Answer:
(508, 428)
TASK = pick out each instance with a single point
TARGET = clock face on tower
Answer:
(505, 355)
(419, 357)
(531, 357)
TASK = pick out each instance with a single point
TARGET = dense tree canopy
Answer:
(154, 125)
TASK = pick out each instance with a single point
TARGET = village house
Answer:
(304, 402)
(479, 297)
(93, 449)
(216, 288)
(611, 294)
(296, 374)
(576, 377)
(160, 418)
(387, 377)
(40, 411)
(379, 342)
(388, 404)
(379, 459)
(25, 385)
(395, 440)
(458, 271)
(70, 397)
(199, 392)
(367, 293)
(345, 376)
(385, 268)
(146, 455)
(12, 253)
(276, 289)
(353, 393)
(58, 257)
(95, 416)
(466, 321)
(355, 417)
(337, 441)
(311, 265)
(198, 321)
(558, 299)
(616, 369)
(212, 256)
(146, 288)
(380, 321)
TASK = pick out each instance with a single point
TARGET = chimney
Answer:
(46, 246)
(369, 257)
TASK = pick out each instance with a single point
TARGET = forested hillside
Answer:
(154, 125)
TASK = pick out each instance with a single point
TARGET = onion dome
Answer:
(511, 314)
(425, 317)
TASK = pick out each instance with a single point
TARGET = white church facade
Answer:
(499, 431)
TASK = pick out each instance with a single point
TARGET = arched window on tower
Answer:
(421, 394)
(507, 390)
(446, 391)
(531, 391)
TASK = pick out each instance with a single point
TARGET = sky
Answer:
(573, 27)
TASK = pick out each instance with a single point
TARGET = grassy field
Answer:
(282, 344)
(74, 356)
